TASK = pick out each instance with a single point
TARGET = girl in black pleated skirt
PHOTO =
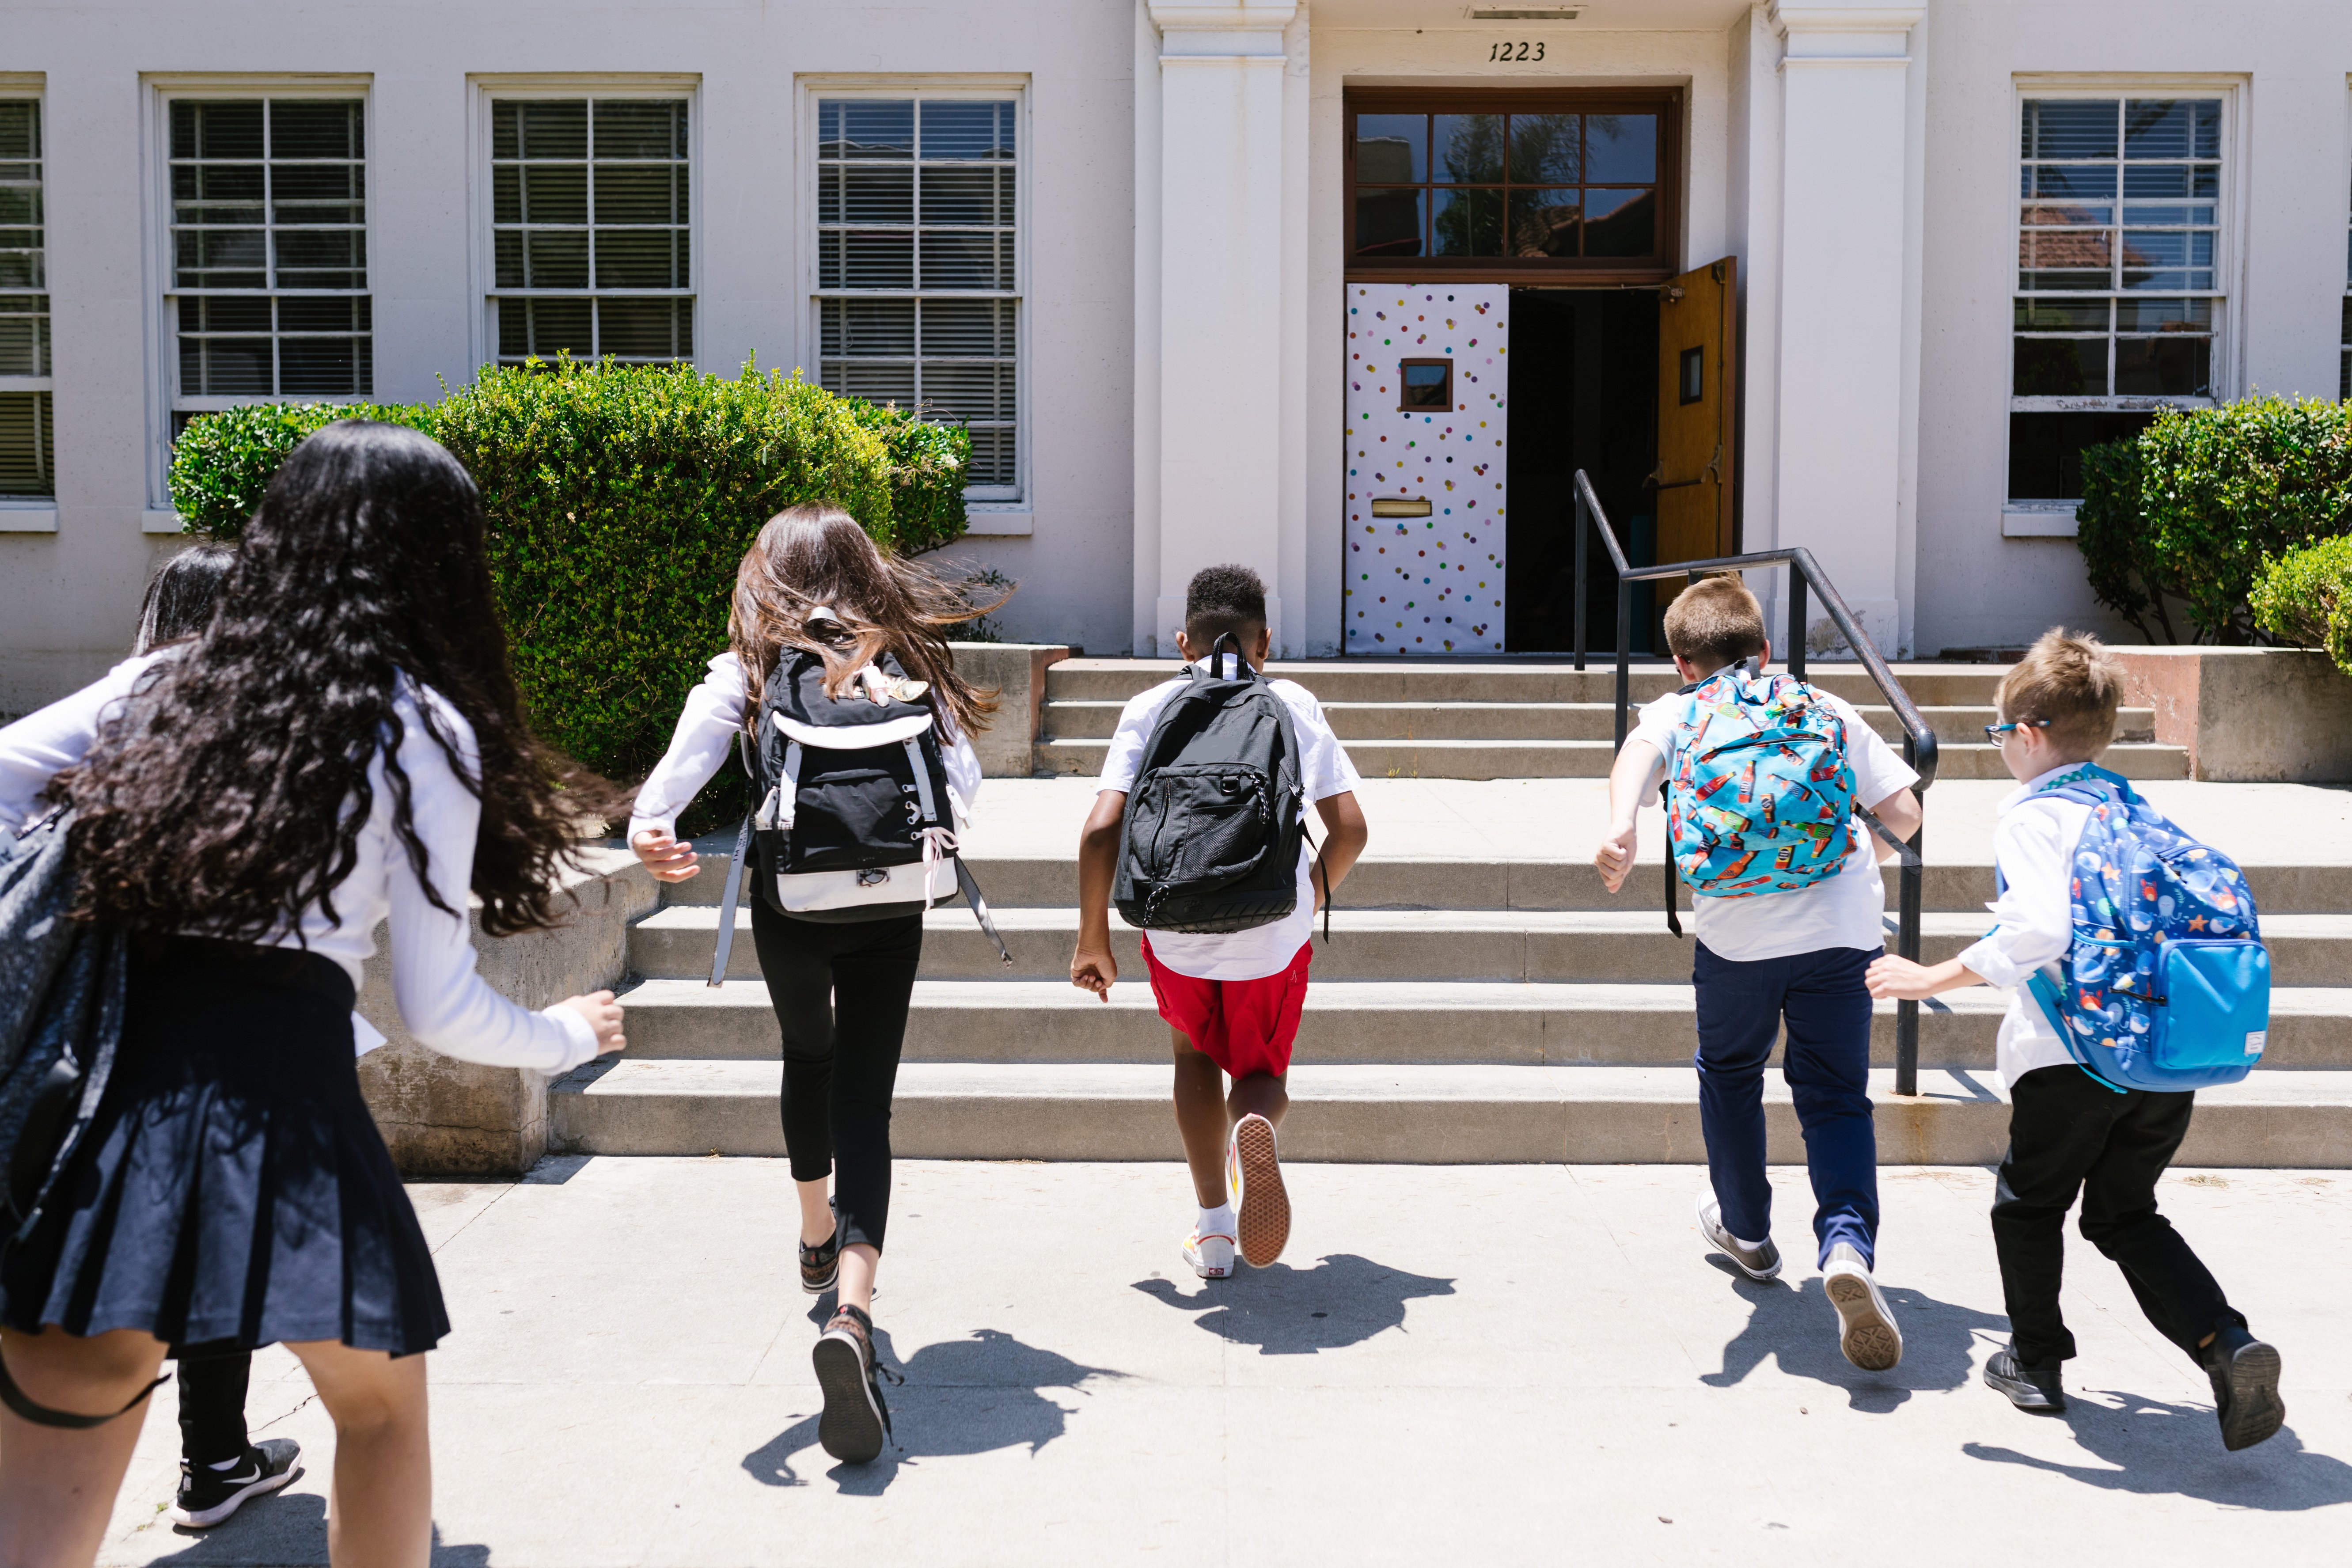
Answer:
(340, 748)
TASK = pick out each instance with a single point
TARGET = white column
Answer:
(1222, 340)
(1846, 217)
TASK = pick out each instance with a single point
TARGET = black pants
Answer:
(841, 994)
(2067, 1132)
(212, 1402)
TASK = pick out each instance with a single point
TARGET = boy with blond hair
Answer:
(1767, 959)
(2070, 1133)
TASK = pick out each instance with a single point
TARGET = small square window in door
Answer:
(1694, 374)
(1425, 386)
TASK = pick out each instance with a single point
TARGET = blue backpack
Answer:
(2169, 985)
(1762, 793)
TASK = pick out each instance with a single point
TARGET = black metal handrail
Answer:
(1918, 740)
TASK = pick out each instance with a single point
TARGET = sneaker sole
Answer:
(850, 1428)
(2256, 1410)
(1264, 1216)
(204, 1518)
(1868, 1339)
(818, 1288)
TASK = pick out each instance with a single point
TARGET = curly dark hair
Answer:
(228, 793)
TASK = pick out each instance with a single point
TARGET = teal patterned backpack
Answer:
(1762, 800)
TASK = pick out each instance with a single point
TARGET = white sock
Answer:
(1742, 1241)
(1218, 1221)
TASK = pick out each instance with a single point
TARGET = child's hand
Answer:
(665, 858)
(603, 1015)
(1094, 970)
(1894, 979)
(1614, 858)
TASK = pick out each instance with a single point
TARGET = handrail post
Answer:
(1624, 656)
(1583, 526)
(1906, 944)
(1793, 657)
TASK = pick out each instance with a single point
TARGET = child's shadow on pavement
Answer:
(1796, 1325)
(279, 1528)
(2152, 1448)
(1343, 1300)
(959, 1397)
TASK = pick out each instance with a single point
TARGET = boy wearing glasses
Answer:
(1766, 960)
(2069, 1131)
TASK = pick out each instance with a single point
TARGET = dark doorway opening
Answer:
(1584, 395)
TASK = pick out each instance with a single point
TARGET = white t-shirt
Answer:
(1843, 910)
(2033, 920)
(1324, 770)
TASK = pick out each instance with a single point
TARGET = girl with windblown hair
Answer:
(340, 745)
(840, 978)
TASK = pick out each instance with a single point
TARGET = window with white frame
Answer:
(918, 299)
(590, 228)
(28, 442)
(268, 291)
(2120, 295)
(2344, 335)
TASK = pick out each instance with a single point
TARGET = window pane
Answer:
(322, 258)
(2070, 182)
(641, 194)
(881, 382)
(645, 329)
(1620, 149)
(556, 193)
(547, 326)
(967, 195)
(553, 129)
(876, 260)
(556, 260)
(864, 128)
(868, 327)
(1621, 223)
(2061, 315)
(962, 390)
(506, 130)
(640, 258)
(27, 453)
(2045, 450)
(328, 366)
(878, 195)
(1544, 149)
(20, 130)
(2043, 250)
(228, 315)
(992, 458)
(1389, 223)
(216, 130)
(220, 258)
(1391, 149)
(315, 313)
(953, 260)
(2061, 367)
(24, 334)
(2171, 366)
(640, 127)
(1469, 150)
(2164, 315)
(968, 328)
(2161, 247)
(1546, 223)
(2172, 128)
(317, 193)
(2070, 128)
(1467, 223)
(967, 130)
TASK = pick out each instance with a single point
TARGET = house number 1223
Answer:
(1518, 51)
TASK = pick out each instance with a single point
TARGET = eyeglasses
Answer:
(1993, 732)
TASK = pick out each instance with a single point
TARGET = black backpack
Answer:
(852, 817)
(1216, 817)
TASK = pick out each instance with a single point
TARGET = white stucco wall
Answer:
(67, 598)
(2286, 61)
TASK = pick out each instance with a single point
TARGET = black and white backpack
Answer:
(1217, 814)
(853, 819)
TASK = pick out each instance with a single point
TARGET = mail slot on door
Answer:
(1400, 506)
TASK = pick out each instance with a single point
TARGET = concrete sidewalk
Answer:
(1486, 1364)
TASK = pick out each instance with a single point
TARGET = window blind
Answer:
(27, 447)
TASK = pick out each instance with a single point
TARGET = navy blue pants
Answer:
(1741, 1008)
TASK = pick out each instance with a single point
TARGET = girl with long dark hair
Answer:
(813, 582)
(340, 745)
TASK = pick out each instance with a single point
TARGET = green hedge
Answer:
(2305, 597)
(2202, 498)
(620, 499)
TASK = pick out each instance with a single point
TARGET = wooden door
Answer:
(1696, 338)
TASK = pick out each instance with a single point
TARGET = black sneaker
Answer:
(208, 1496)
(854, 1421)
(821, 1264)
(2244, 1373)
(2033, 1388)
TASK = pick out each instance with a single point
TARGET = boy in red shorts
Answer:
(1232, 999)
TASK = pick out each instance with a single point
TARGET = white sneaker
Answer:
(1867, 1328)
(1253, 1170)
(1756, 1262)
(1211, 1254)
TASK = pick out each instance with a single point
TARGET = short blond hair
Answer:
(2071, 685)
(1714, 622)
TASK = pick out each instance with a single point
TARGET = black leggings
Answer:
(841, 994)
(212, 1381)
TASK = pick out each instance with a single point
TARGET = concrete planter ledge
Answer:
(442, 1117)
(2247, 715)
(1017, 671)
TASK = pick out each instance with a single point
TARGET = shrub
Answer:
(620, 499)
(2219, 491)
(2126, 573)
(2305, 597)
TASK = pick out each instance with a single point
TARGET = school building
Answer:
(1345, 290)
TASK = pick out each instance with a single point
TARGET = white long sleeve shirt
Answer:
(444, 1002)
(2034, 843)
(705, 732)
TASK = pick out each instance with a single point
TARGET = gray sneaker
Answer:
(1756, 1262)
(1867, 1328)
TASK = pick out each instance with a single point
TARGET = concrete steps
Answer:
(1437, 718)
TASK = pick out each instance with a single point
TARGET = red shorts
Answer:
(1244, 1025)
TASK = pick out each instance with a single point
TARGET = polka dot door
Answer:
(1427, 389)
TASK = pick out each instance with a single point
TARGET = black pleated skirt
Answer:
(233, 1188)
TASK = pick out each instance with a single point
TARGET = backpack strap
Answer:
(728, 900)
(28, 1410)
(1674, 914)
